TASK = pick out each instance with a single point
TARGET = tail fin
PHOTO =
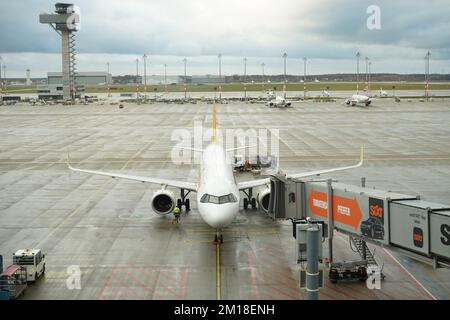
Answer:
(214, 124)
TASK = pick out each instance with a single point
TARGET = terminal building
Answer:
(206, 79)
(54, 88)
(82, 78)
(200, 79)
(159, 80)
(55, 91)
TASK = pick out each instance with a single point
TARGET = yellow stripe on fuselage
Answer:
(214, 124)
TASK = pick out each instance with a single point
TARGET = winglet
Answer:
(214, 123)
(361, 161)
(68, 161)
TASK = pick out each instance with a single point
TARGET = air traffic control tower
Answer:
(65, 21)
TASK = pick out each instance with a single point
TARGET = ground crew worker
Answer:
(176, 214)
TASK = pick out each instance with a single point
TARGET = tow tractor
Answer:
(33, 260)
(348, 270)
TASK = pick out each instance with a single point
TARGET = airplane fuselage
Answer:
(359, 99)
(218, 195)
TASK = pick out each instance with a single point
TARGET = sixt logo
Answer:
(445, 231)
(376, 211)
(418, 237)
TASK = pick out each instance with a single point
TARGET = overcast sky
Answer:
(328, 32)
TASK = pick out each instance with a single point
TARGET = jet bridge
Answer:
(404, 223)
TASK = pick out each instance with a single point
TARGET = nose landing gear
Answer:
(218, 237)
(249, 200)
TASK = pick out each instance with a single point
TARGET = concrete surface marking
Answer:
(410, 274)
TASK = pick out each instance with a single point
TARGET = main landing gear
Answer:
(218, 237)
(183, 201)
(249, 200)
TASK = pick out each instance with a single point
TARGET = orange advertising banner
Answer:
(345, 210)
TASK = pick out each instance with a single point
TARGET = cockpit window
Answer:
(213, 199)
(206, 198)
(227, 199)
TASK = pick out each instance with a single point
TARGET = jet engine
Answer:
(263, 199)
(163, 202)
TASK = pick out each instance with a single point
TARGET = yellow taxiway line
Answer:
(218, 271)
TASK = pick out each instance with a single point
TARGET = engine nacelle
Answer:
(263, 199)
(163, 202)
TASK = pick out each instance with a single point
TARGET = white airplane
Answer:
(270, 94)
(278, 102)
(359, 99)
(218, 193)
(383, 93)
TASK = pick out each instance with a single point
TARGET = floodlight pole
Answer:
(220, 76)
(107, 79)
(285, 79)
(165, 76)
(262, 66)
(427, 74)
(245, 78)
(144, 57)
(367, 73)
(137, 78)
(304, 77)
(185, 78)
(358, 55)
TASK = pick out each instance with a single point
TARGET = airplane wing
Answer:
(164, 182)
(319, 172)
(190, 149)
(252, 183)
(240, 148)
(256, 183)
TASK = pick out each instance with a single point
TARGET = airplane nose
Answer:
(218, 216)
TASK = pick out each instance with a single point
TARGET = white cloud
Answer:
(326, 30)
